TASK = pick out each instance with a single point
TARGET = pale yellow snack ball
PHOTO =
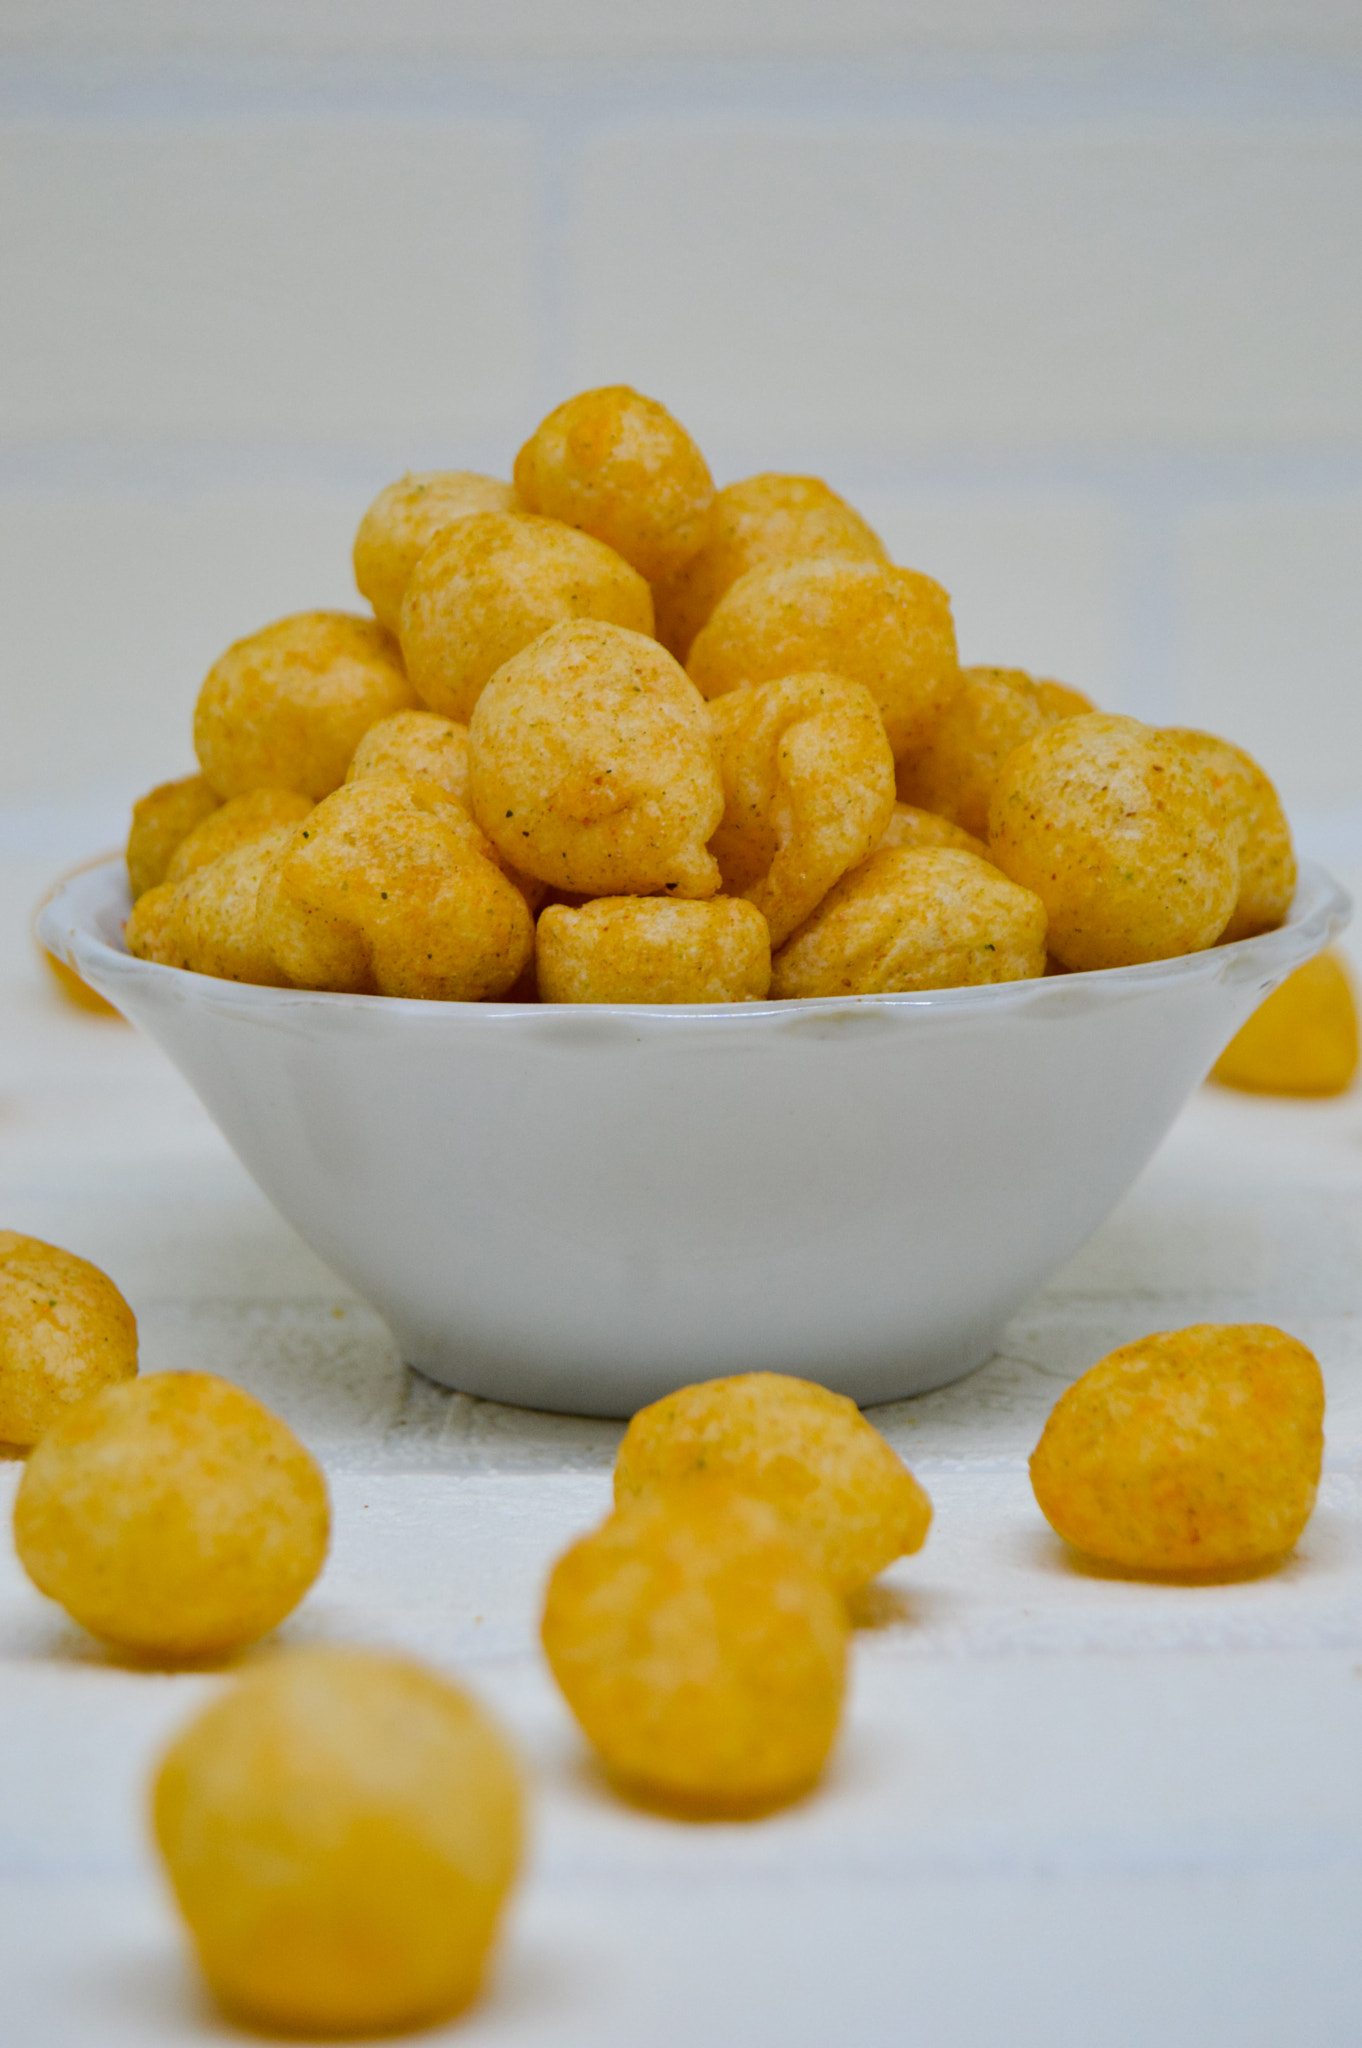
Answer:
(161, 820)
(342, 1830)
(620, 467)
(1303, 1040)
(419, 744)
(238, 822)
(806, 1452)
(65, 1332)
(702, 1650)
(1193, 1450)
(649, 949)
(1267, 859)
(173, 1516)
(592, 764)
(911, 827)
(992, 712)
(209, 923)
(1122, 835)
(403, 521)
(286, 708)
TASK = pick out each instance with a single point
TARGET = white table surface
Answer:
(1067, 1810)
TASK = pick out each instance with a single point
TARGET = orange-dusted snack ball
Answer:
(65, 1331)
(592, 764)
(490, 586)
(1193, 1450)
(914, 918)
(209, 922)
(403, 521)
(768, 518)
(650, 949)
(1303, 1040)
(887, 628)
(808, 791)
(238, 822)
(992, 712)
(806, 1452)
(417, 744)
(620, 467)
(1058, 700)
(75, 990)
(342, 1830)
(1122, 835)
(702, 1650)
(161, 819)
(1267, 859)
(911, 827)
(286, 708)
(173, 1516)
(390, 889)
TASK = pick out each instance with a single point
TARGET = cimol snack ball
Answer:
(65, 1332)
(403, 521)
(650, 949)
(1303, 1040)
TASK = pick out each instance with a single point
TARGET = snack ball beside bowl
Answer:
(65, 1332)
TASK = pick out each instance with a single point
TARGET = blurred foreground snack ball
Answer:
(1303, 1040)
(592, 764)
(620, 467)
(161, 820)
(65, 1332)
(808, 1453)
(209, 923)
(651, 949)
(417, 744)
(403, 521)
(992, 712)
(701, 1649)
(914, 918)
(341, 1830)
(911, 827)
(1193, 1450)
(286, 707)
(1124, 837)
(1267, 859)
(174, 1517)
(237, 823)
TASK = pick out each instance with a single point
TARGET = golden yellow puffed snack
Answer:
(620, 467)
(1303, 1040)
(286, 708)
(592, 764)
(1192, 1450)
(341, 1830)
(806, 1452)
(911, 827)
(419, 744)
(403, 521)
(808, 791)
(914, 918)
(390, 889)
(1267, 859)
(1123, 836)
(992, 712)
(160, 820)
(650, 949)
(65, 1331)
(173, 1516)
(768, 518)
(490, 586)
(701, 1649)
(238, 822)
(1058, 700)
(887, 628)
(209, 923)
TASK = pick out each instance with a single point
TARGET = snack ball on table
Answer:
(592, 764)
(286, 708)
(808, 1453)
(1193, 1450)
(1267, 859)
(1303, 1040)
(702, 1650)
(889, 629)
(417, 744)
(65, 1332)
(490, 586)
(341, 1830)
(808, 791)
(650, 949)
(161, 820)
(620, 467)
(209, 923)
(174, 1517)
(403, 521)
(992, 712)
(238, 822)
(909, 826)
(1122, 834)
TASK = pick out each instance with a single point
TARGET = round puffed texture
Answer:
(341, 1830)
(887, 628)
(1058, 700)
(1194, 1450)
(286, 708)
(914, 918)
(209, 923)
(161, 820)
(593, 765)
(1303, 1040)
(768, 518)
(1267, 859)
(992, 712)
(912, 827)
(239, 822)
(490, 586)
(173, 1516)
(1123, 836)
(620, 467)
(390, 889)
(702, 1650)
(417, 744)
(403, 521)
(65, 1332)
(808, 1453)
(649, 949)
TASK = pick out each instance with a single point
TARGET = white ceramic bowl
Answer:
(580, 1208)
